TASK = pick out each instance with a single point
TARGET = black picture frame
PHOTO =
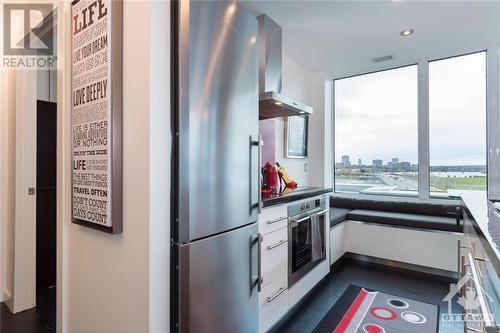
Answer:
(296, 136)
(116, 146)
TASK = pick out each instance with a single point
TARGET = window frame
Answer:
(423, 130)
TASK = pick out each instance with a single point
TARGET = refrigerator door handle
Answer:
(259, 165)
(257, 143)
(259, 263)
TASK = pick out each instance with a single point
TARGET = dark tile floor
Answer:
(46, 306)
(24, 322)
(309, 312)
(37, 320)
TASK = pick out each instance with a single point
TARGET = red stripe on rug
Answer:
(341, 327)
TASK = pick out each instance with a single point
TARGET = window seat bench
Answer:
(404, 230)
(406, 212)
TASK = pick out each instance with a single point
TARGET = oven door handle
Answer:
(294, 222)
(310, 216)
(323, 212)
(302, 219)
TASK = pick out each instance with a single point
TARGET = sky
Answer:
(376, 114)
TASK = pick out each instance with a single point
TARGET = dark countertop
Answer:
(294, 195)
(487, 220)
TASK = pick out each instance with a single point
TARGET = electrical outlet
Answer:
(305, 167)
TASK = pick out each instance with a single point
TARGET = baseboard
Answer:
(397, 266)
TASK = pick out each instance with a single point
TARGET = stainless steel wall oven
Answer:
(306, 237)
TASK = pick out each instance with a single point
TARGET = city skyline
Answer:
(394, 163)
(347, 158)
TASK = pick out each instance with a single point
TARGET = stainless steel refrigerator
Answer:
(215, 174)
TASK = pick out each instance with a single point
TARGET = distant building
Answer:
(377, 163)
(393, 164)
(404, 166)
(359, 162)
(345, 161)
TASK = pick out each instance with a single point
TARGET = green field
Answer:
(459, 183)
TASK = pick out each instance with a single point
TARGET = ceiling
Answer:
(342, 37)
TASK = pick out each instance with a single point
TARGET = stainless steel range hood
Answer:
(272, 103)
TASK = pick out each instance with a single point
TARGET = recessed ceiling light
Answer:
(407, 32)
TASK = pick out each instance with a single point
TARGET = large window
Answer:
(376, 148)
(457, 123)
(377, 129)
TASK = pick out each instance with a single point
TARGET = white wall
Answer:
(297, 85)
(7, 183)
(307, 88)
(24, 295)
(119, 283)
(320, 152)
(46, 85)
(159, 178)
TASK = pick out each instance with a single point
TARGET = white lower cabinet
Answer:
(274, 255)
(272, 219)
(273, 298)
(273, 303)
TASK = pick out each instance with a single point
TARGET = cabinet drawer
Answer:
(273, 303)
(272, 219)
(274, 255)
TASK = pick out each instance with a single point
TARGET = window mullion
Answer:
(493, 123)
(423, 130)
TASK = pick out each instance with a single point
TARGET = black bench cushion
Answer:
(337, 215)
(399, 205)
(419, 221)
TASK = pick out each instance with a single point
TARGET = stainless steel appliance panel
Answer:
(218, 283)
(218, 118)
(306, 237)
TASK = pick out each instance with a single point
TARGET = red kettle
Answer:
(269, 179)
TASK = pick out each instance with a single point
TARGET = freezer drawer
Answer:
(218, 283)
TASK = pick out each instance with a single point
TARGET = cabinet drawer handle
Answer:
(281, 242)
(272, 298)
(277, 220)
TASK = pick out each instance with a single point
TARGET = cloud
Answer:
(376, 114)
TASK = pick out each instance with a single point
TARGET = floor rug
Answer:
(361, 310)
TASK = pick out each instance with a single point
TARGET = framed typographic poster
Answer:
(296, 136)
(96, 114)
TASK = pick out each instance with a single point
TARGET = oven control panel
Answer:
(307, 205)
